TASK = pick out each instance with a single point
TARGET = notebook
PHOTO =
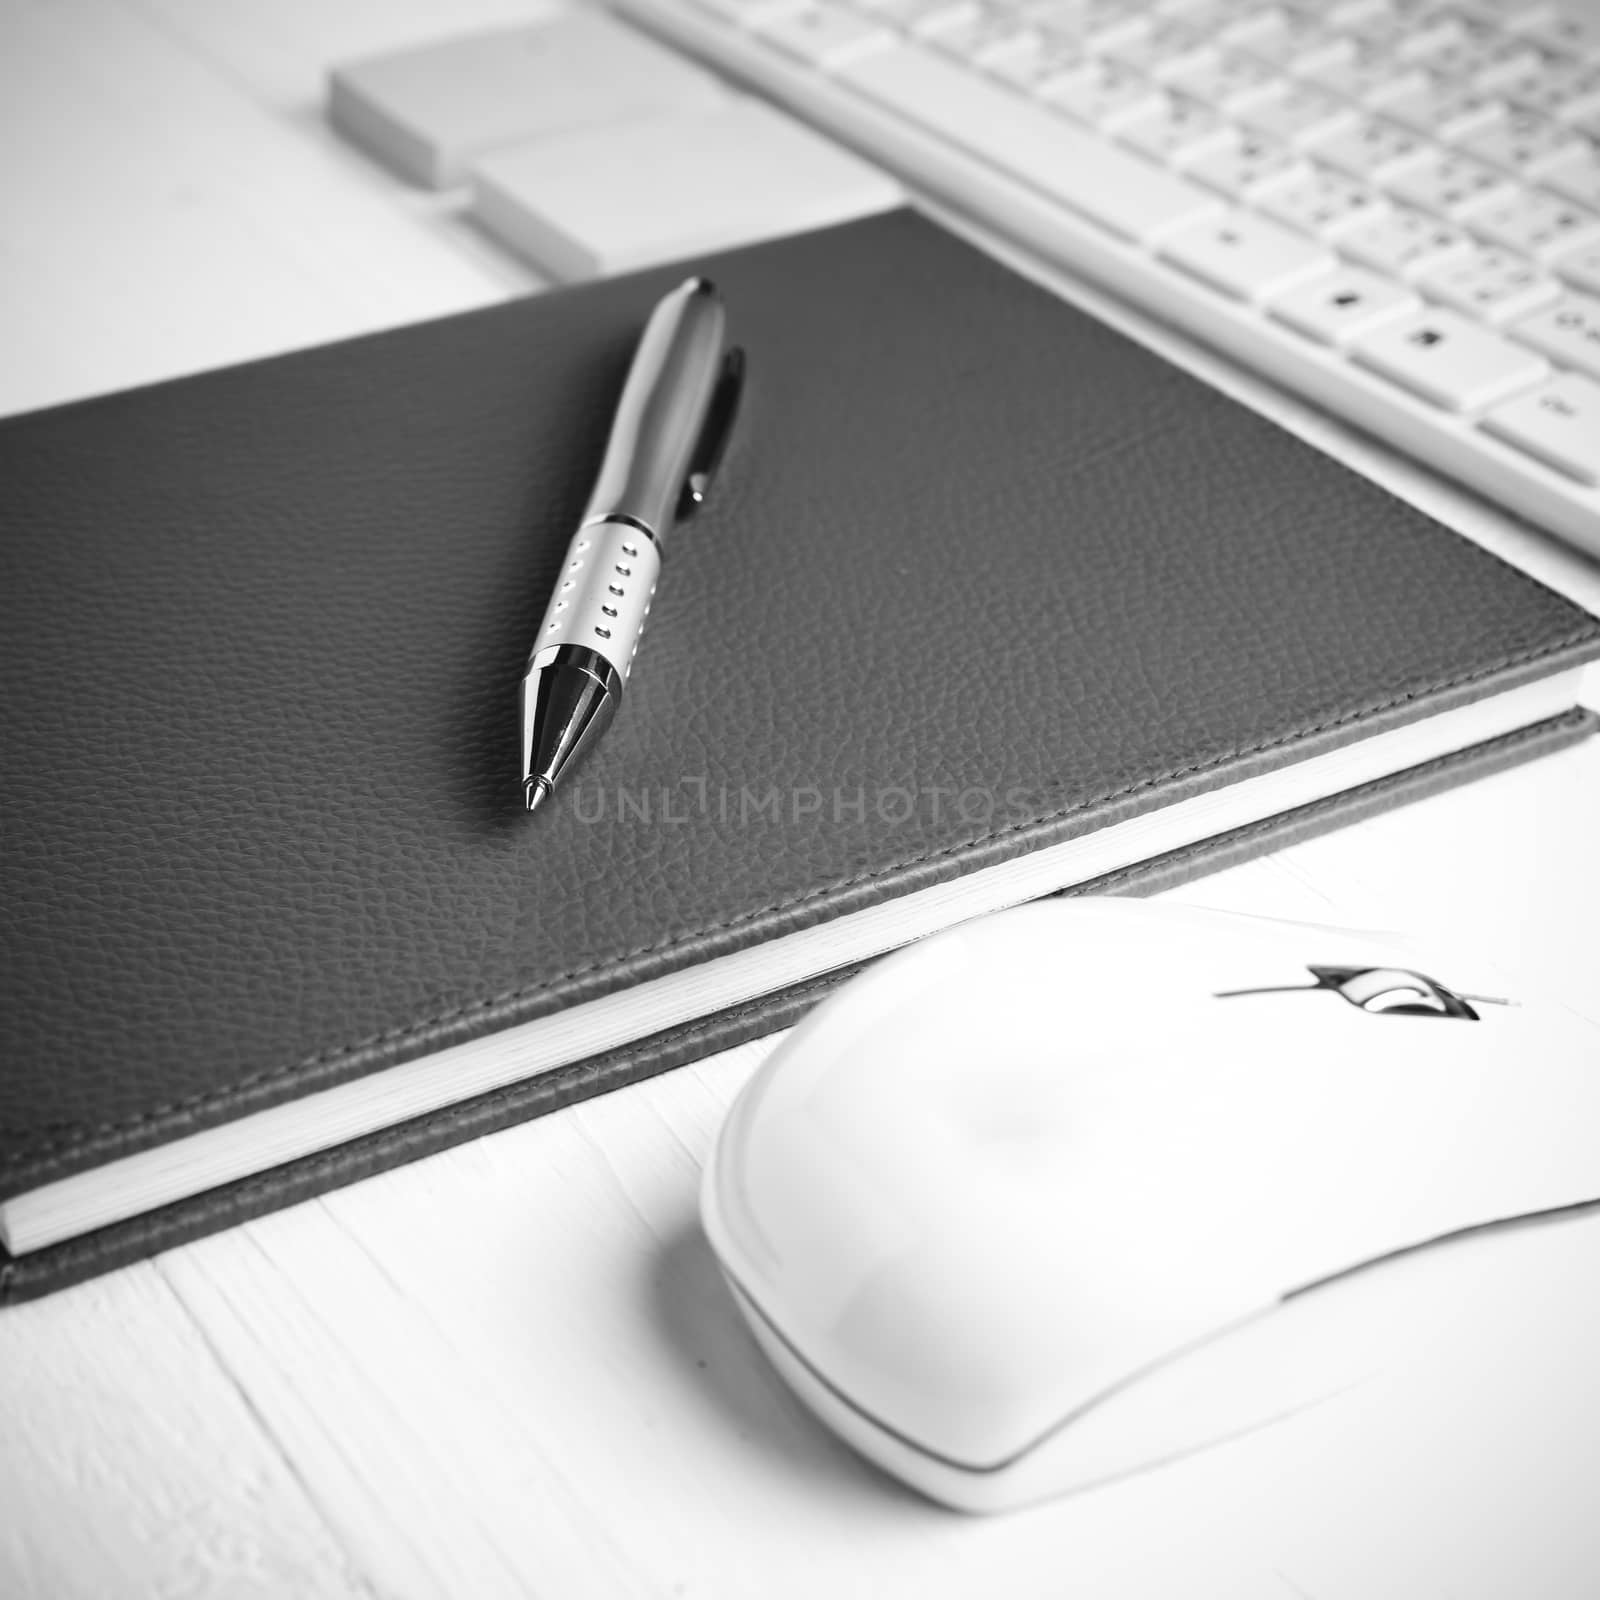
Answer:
(989, 603)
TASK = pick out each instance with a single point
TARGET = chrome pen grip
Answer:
(603, 594)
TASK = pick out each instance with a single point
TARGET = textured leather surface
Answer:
(262, 631)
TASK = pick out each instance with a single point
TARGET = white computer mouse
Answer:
(1083, 1187)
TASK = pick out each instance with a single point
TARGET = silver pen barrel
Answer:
(663, 445)
(661, 415)
(607, 582)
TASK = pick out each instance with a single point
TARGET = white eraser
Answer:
(613, 199)
(430, 112)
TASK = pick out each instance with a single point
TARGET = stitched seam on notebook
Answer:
(318, 1165)
(1315, 809)
(79, 1133)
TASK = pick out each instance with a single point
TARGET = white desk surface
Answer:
(511, 1369)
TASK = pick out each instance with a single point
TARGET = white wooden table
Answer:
(511, 1369)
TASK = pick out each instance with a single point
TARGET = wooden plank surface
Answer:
(512, 1369)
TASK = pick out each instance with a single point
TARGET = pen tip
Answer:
(534, 791)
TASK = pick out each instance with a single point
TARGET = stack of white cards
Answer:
(592, 150)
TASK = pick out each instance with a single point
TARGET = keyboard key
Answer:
(1582, 112)
(1173, 128)
(1323, 202)
(1527, 72)
(1446, 184)
(1369, 24)
(1404, 242)
(1368, 147)
(1559, 424)
(1156, 46)
(1099, 93)
(1450, 42)
(1336, 309)
(954, 15)
(1378, 31)
(1580, 266)
(1535, 222)
(1562, 28)
(1522, 144)
(1115, 188)
(1101, 24)
(430, 113)
(1491, 284)
(1578, 178)
(1353, 70)
(1449, 361)
(1245, 164)
(973, 37)
(1246, 256)
(1569, 331)
(1223, 78)
(1027, 61)
(1257, 21)
(1442, 108)
(949, 14)
(823, 36)
(1297, 112)
(1277, 34)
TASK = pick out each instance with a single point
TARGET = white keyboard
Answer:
(1389, 206)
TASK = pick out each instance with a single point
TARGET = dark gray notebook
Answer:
(989, 603)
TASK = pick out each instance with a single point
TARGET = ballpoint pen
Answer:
(667, 438)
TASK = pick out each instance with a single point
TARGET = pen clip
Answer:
(714, 434)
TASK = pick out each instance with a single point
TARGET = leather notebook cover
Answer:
(263, 630)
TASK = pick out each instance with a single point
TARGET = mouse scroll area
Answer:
(1028, 1205)
(1381, 991)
